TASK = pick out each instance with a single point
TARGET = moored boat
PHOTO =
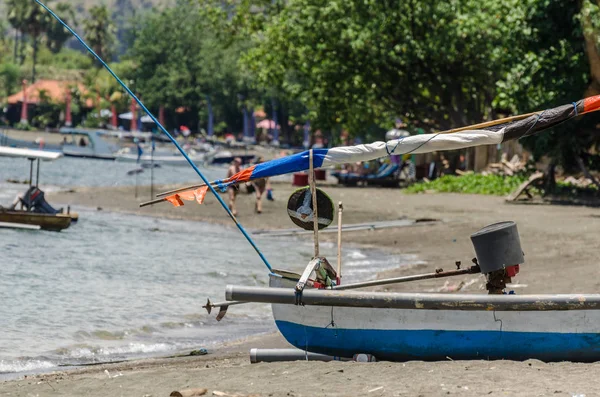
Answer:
(52, 222)
(31, 210)
(415, 326)
(86, 144)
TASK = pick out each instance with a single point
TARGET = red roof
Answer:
(55, 89)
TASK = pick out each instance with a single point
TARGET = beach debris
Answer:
(199, 352)
(364, 358)
(506, 167)
(112, 376)
(188, 393)
(223, 394)
(375, 389)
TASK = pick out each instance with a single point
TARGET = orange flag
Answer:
(189, 195)
(175, 200)
(200, 194)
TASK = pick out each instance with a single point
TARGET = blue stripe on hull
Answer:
(402, 345)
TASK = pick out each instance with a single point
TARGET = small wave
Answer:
(11, 366)
(91, 352)
(135, 348)
(356, 255)
(107, 335)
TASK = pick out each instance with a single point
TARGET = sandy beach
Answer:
(560, 247)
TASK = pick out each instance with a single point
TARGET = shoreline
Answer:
(557, 241)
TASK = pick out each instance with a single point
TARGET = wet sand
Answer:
(560, 245)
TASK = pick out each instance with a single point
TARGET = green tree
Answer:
(56, 34)
(100, 32)
(354, 63)
(9, 77)
(558, 64)
(16, 17)
(35, 23)
(180, 61)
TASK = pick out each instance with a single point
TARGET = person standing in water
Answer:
(233, 190)
(260, 185)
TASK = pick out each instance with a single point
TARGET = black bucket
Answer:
(497, 246)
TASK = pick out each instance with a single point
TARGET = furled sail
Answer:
(489, 133)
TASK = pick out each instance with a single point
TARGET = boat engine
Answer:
(498, 254)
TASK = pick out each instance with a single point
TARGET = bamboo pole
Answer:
(489, 123)
(313, 190)
(339, 252)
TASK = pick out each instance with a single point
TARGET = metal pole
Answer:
(313, 191)
(152, 171)
(426, 301)
(37, 176)
(339, 253)
(276, 355)
(31, 160)
(406, 279)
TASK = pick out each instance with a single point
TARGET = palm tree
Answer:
(16, 17)
(100, 32)
(56, 34)
(36, 22)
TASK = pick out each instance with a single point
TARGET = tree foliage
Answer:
(100, 32)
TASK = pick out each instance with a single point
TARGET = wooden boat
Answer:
(321, 317)
(34, 210)
(53, 222)
(415, 326)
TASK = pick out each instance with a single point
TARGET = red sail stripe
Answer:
(242, 176)
(592, 103)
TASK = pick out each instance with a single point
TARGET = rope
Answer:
(539, 116)
(163, 130)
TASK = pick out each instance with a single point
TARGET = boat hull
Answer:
(421, 334)
(50, 222)
(163, 160)
(96, 156)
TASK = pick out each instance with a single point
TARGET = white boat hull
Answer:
(422, 334)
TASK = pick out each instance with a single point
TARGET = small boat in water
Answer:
(87, 144)
(17, 218)
(31, 210)
(162, 157)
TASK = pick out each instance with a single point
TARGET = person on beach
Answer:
(233, 190)
(260, 185)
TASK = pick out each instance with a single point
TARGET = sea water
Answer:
(117, 286)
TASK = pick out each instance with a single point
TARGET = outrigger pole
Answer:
(163, 129)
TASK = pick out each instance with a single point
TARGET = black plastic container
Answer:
(497, 246)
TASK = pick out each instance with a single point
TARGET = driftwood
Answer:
(535, 180)
(188, 393)
(505, 167)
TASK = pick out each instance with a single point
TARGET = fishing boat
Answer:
(315, 312)
(31, 210)
(162, 157)
(87, 144)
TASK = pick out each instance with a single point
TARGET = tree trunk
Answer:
(586, 172)
(35, 51)
(591, 49)
(15, 60)
(550, 179)
(21, 48)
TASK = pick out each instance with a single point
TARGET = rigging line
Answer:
(126, 88)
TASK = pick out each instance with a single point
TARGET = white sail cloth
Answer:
(416, 144)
